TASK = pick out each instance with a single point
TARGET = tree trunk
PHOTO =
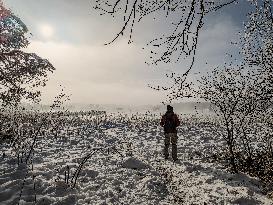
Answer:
(231, 152)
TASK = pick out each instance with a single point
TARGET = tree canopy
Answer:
(21, 73)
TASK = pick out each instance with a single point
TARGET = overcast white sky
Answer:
(70, 34)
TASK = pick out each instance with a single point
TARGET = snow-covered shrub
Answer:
(242, 100)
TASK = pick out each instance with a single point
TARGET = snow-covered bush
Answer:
(242, 100)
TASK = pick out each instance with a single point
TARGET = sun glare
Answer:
(46, 30)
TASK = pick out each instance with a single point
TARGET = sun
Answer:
(46, 30)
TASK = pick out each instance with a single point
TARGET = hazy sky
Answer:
(71, 34)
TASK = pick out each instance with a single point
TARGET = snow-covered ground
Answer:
(122, 163)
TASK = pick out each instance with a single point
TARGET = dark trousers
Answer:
(170, 137)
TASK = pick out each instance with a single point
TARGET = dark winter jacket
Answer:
(170, 116)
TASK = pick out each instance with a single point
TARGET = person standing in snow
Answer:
(170, 121)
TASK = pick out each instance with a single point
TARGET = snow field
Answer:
(124, 165)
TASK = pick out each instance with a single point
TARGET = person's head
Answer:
(169, 108)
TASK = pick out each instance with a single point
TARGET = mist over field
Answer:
(184, 107)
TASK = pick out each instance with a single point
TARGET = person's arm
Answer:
(162, 122)
(177, 121)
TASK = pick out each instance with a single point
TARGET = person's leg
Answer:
(174, 146)
(166, 148)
